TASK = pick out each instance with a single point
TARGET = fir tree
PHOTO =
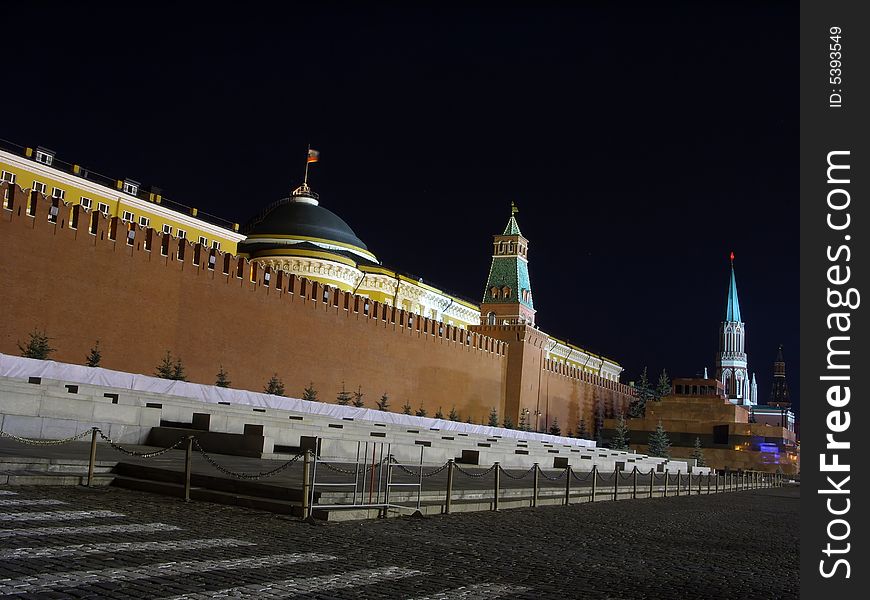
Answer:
(358, 398)
(508, 423)
(554, 427)
(453, 416)
(582, 432)
(643, 392)
(469, 420)
(599, 439)
(439, 414)
(223, 379)
(620, 436)
(166, 368)
(95, 356)
(383, 403)
(178, 371)
(309, 393)
(698, 453)
(343, 398)
(659, 443)
(37, 346)
(275, 386)
(663, 387)
(406, 408)
(493, 417)
(421, 412)
(523, 426)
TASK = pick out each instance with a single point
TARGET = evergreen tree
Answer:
(421, 412)
(178, 371)
(582, 432)
(523, 426)
(37, 346)
(383, 403)
(439, 414)
(406, 408)
(343, 398)
(698, 453)
(493, 417)
(508, 423)
(663, 387)
(643, 392)
(309, 393)
(468, 419)
(166, 368)
(94, 356)
(275, 386)
(358, 398)
(554, 427)
(599, 439)
(223, 379)
(453, 416)
(620, 437)
(659, 443)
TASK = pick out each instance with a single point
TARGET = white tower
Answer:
(731, 363)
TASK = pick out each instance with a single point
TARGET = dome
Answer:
(300, 219)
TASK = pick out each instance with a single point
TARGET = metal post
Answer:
(388, 481)
(497, 485)
(594, 482)
(616, 482)
(708, 483)
(634, 483)
(449, 501)
(667, 476)
(679, 481)
(568, 485)
(535, 484)
(306, 484)
(652, 479)
(420, 487)
(187, 464)
(93, 458)
(699, 484)
(717, 482)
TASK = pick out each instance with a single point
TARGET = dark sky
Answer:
(641, 143)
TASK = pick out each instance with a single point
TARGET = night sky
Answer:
(642, 145)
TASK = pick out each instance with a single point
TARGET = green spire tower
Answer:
(507, 298)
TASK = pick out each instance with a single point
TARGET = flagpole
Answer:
(307, 154)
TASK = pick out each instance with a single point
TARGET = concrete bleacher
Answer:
(52, 409)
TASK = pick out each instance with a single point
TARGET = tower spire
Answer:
(732, 312)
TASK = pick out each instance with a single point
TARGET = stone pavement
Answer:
(68, 542)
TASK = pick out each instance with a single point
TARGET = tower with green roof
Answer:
(507, 298)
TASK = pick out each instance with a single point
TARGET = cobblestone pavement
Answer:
(111, 543)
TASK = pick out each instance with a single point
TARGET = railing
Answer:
(375, 476)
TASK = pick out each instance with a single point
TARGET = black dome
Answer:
(293, 218)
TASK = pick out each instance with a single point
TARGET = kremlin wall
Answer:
(83, 275)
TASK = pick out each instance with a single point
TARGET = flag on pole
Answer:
(313, 155)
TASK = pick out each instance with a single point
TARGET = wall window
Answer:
(203, 240)
(216, 245)
(144, 221)
(7, 199)
(57, 192)
(131, 187)
(167, 230)
(182, 234)
(43, 157)
(128, 216)
(103, 208)
(7, 176)
(38, 186)
(494, 292)
(86, 203)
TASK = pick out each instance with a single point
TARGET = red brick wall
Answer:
(80, 287)
(567, 395)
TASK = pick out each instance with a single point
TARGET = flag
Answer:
(313, 155)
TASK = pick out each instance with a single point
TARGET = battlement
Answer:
(572, 372)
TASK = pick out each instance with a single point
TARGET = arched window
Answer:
(494, 292)
(490, 318)
(506, 292)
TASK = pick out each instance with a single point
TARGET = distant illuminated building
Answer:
(731, 361)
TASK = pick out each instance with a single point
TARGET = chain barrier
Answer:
(332, 467)
(120, 448)
(581, 479)
(32, 442)
(556, 478)
(469, 474)
(417, 473)
(262, 475)
(532, 468)
(626, 476)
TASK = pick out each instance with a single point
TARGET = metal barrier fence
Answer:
(375, 476)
